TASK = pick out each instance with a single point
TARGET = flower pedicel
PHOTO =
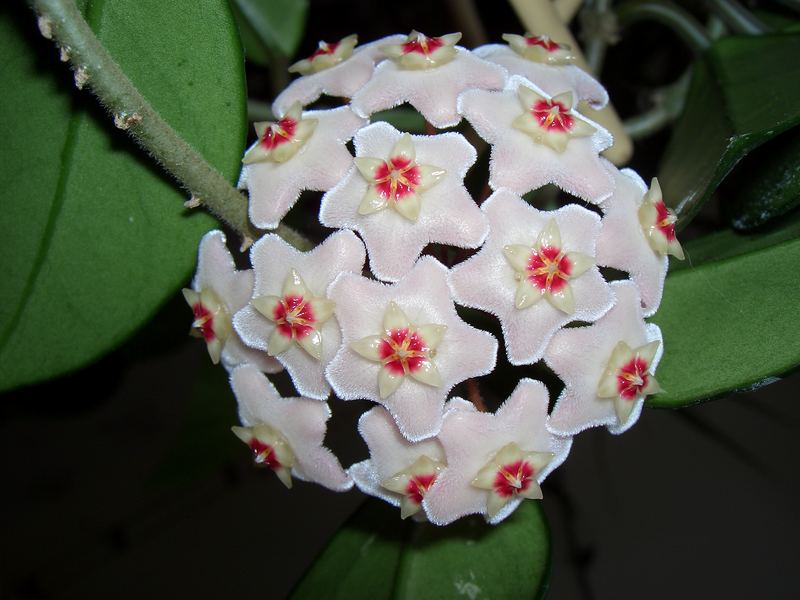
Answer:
(392, 334)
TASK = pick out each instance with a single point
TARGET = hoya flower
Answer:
(336, 69)
(218, 291)
(404, 346)
(538, 139)
(637, 234)
(536, 273)
(404, 193)
(286, 435)
(494, 461)
(429, 73)
(302, 151)
(540, 59)
(607, 368)
(398, 471)
(289, 314)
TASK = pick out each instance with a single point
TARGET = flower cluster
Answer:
(394, 336)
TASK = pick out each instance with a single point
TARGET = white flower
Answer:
(536, 64)
(285, 434)
(335, 69)
(404, 193)
(404, 346)
(494, 460)
(619, 348)
(318, 163)
(628, 244)
(218, 291)
(429, 74)
(398, 471)
(535, 272)
(538, 139)
(289, 314)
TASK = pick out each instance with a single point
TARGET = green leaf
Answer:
(742, 94)
(95, 236)
(730, 316)
(278, 23)
(376, 556)
(767, 184)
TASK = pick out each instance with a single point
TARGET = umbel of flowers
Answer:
(390, 332)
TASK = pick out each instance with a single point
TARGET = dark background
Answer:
(123, 480)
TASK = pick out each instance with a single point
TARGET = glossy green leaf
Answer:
(376, 556)
(742, 94)
(95, 236)
(730, 315)
(280, 24)
(767, 184)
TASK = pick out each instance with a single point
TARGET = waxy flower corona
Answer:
(370, 313)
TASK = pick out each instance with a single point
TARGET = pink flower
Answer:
(494, 461)
(538, 139)
(316, 160)
(429, 73)
(638, 232)
(218, 291)
(285, 434)
(607, 368)
(547, 64)
(535, 272)
(335, 69)
(398, 471)
(404, 193)
(289, 314)
(404, 346)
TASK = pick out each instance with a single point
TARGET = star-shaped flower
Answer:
(397, 470)
(335, 69)
(278, 142)
(513, 119)
(406, 192)
(494, 461)
(218, 291)
(286, 435)
(317, 164)
(606, 368)
(429, 76)
(535, 272)
(288, 315)
(542, 61)
(637, 233)
(423, 298)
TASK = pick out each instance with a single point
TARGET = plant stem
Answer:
(63, 22)
(567, 9)
(668, 104)
(671, 15)
(737, 17)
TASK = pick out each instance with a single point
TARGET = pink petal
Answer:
(300, 420)
(424, 296)
(448, 215)
(487, 281)
(579, 357)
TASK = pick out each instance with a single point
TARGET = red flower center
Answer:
(396, 178)
(632, 378)
(204, 321)
(418, 486)
(423, 45)
(549, 269)
(543, 42)
(279, 133)
(264, 454)
(294, 317)
(513, 478)
(552, 115)
(666, 221)
(402, 351)
(324, 49)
